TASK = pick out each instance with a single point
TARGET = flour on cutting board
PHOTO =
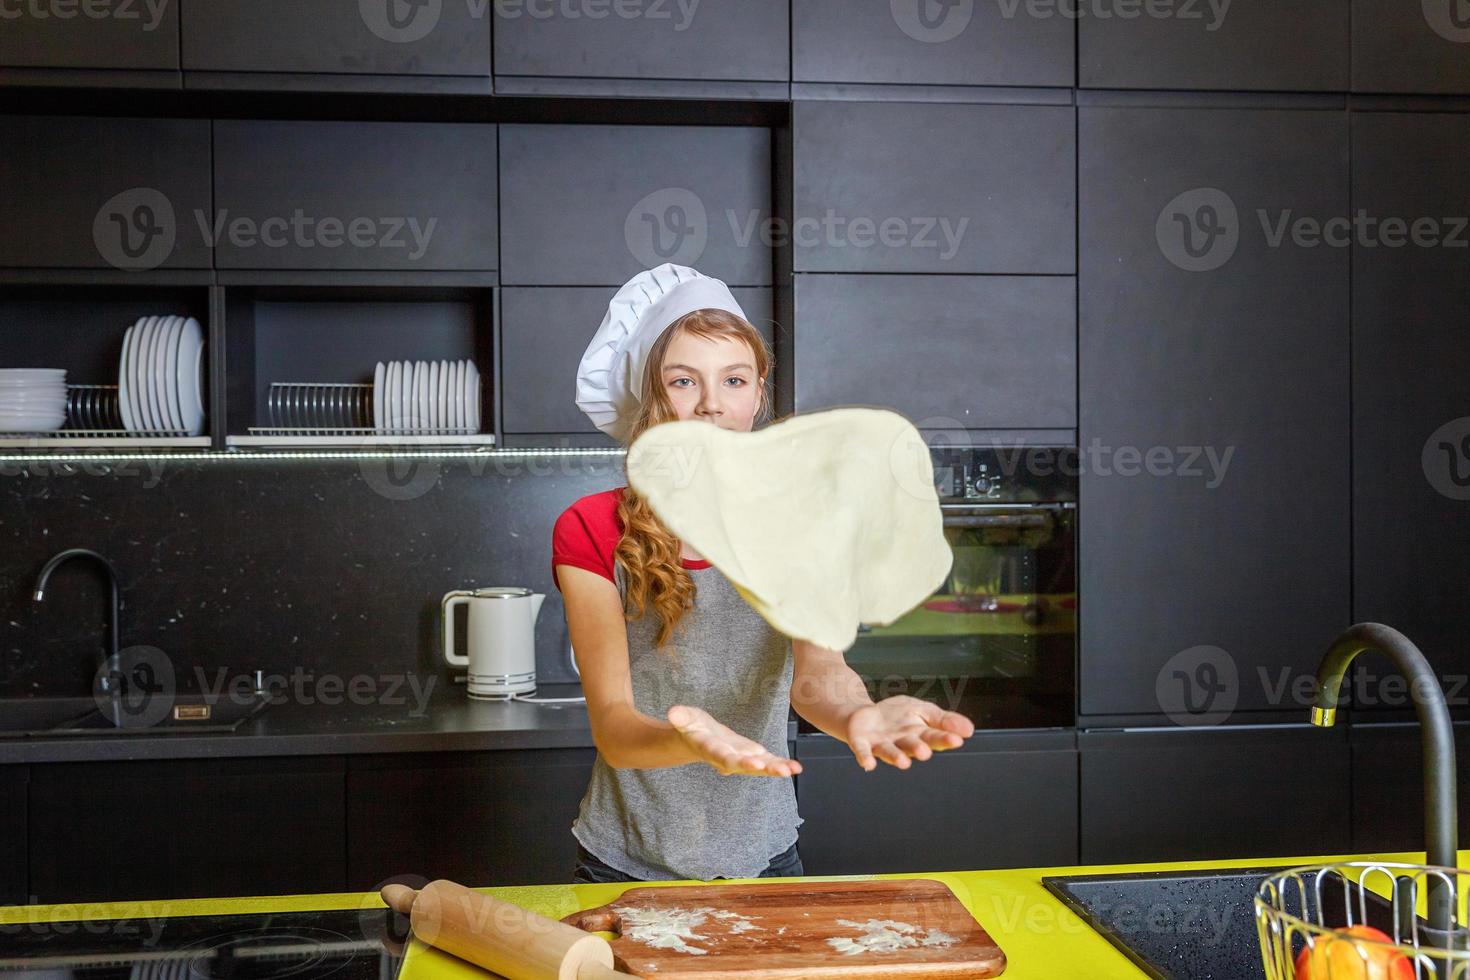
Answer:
(669, 928)
(887, 936)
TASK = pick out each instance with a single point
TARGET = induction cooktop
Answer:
(346, 944)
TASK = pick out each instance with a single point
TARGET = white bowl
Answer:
(47, 373)
(30, 423)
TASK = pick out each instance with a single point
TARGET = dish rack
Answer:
(1421, 908)
(94, 416)
(341, 414)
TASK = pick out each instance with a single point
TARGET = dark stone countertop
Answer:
(448, 721)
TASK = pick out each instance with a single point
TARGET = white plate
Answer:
(463, 395)
(443, 420)
(33, 375)
(172, 335)
(379, 376)
(473, 393)
(124, 385)
(454, 396)
(163, 379)
(142, 375)
(190, 377)
(431, 389)
(391, 405)
(420, 398)
(405, 375)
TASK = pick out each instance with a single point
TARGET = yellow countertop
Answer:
(1041, 937)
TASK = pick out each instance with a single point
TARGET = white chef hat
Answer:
(610, 377)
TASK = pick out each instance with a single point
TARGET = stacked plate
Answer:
(160, 376)
(32, 399)
(426, 396)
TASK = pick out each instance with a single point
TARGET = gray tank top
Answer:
(689, 822)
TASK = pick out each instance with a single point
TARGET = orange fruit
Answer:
(1330, 958)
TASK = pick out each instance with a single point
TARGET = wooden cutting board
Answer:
(914, 929)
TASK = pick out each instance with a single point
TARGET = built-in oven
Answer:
(997, 640)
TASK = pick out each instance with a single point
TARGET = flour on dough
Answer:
(887, 936)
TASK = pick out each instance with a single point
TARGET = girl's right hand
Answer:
(729, 752)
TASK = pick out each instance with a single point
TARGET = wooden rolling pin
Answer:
(501, 936)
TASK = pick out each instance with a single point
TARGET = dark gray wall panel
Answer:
(14, 857)
(1301, 45)
(1249, 358)
(712, 39)
(973, 352)
(545, 332)
(904, 187)
(385, 174)
(595, 205)
(132, 36)
(967, 44)
(1399, 46)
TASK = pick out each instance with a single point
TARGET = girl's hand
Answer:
(729, 752)
(901, 726)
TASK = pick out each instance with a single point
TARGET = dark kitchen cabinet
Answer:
(736, 40)
(1301, 46)
(905, 187)
(355, 195)
(1411, 47)
(227, 43)
(482, 818)
(14, 788)
(1003, 800)
(1411, 409)
(141, 38)
(1168, 795)
(1388, 787)
(693, 195)
(948, 352)
(1213, 366)
(121, 831)
(967, 44)
(545, 332)
(103, 193)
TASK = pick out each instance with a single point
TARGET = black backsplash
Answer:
(280, 565)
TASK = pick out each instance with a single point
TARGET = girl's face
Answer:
(712, 380)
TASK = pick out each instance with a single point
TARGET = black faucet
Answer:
(116, 605)
(1441, 813)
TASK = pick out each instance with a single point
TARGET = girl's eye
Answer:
(677, 380)
(741, 380)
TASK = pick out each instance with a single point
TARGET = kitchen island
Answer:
(1041, 937)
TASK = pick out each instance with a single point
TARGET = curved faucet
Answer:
(1438, 737)
(112, 612)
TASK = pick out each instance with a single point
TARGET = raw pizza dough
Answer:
(821, 521)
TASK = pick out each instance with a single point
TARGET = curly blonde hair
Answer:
(648, 551)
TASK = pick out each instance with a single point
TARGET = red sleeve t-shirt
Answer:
(587, 533)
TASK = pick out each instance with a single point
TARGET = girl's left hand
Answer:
(902, 726)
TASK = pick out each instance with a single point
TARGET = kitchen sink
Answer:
(188, 713)
(1191, 925)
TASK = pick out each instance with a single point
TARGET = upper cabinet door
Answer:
(596, 205)
(383, 37)
(1297, 45)
(907, 187)
(1411, 405)
(947, 352)
(1213, 377)
(1411, 46)
(133, 36)
(354, 195)
(919, 42)
(93, 193)
(738, 40)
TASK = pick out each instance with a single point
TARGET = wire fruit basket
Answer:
(1362, 920)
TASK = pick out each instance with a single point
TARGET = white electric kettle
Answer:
(501, 641)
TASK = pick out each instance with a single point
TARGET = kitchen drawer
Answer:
(947, 352)
(1301, 46)
(1388, 787)
(1003, 800)
(1411, 47)
(907, 187)
(546, 330)
(1171, 795)
(682, 194)
(969, 44)
(119, 831)
(14, 795)
(138, 37)
(85, 192)
(364, 195)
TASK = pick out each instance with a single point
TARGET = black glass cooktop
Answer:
(346, 944)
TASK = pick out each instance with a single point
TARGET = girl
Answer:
(686, 684)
